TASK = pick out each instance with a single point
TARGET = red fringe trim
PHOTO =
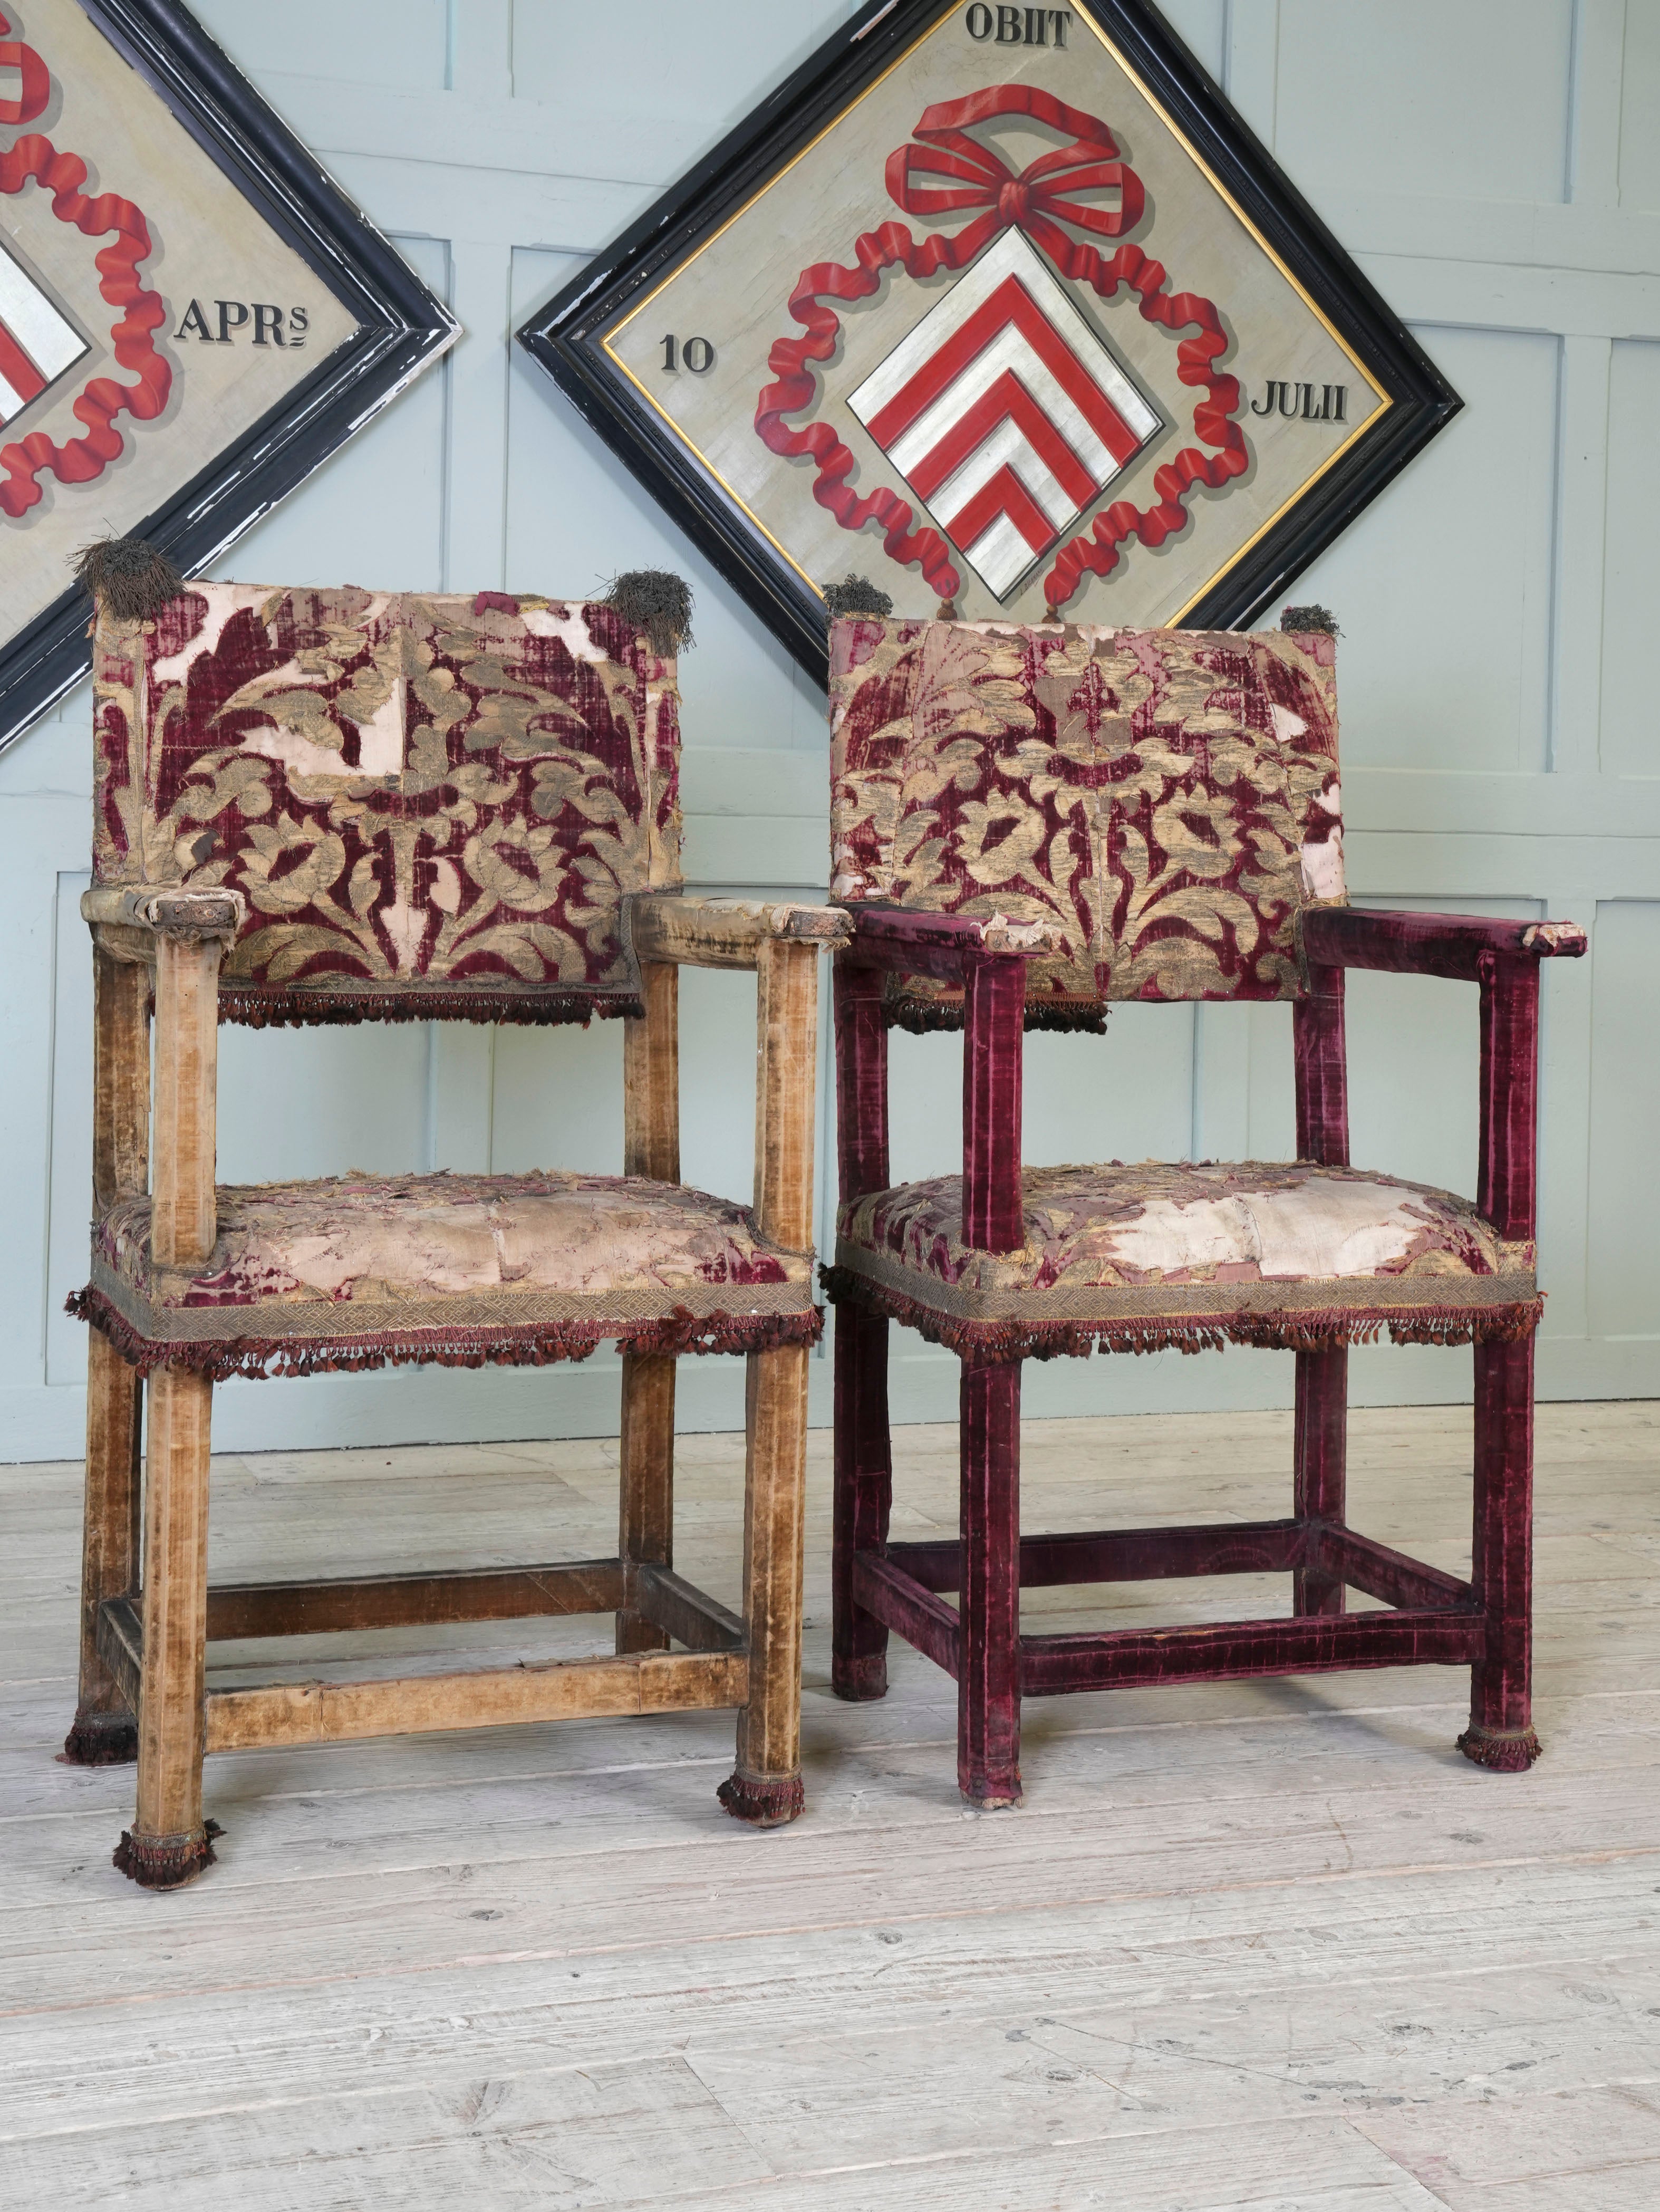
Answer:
(763, 1804)
(266, 1358)
(1318, 1330)
(255, 1006)
(904, 1009)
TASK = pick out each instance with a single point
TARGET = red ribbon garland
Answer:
(1037, 200)
(79, 459)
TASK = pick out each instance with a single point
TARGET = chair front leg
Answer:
(168, 1842)
(864, 1499)
(1500, 1732)
(767, 1788)
(988, 1686)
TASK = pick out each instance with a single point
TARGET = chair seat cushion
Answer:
(1138, 1258)
(459, 1269)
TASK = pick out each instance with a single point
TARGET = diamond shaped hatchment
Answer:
(1005, 413)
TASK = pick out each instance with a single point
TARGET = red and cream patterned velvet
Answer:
(1140, 1257)
(433, 806)
(1167, 799)
(364, 1269)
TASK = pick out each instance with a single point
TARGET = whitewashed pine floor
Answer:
(1272, 1945)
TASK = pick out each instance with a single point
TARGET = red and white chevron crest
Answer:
(1005, 412)
(36, 344)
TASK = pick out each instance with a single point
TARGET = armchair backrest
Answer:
(1167, 800)
(433, 806)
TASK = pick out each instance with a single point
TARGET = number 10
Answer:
(697, 354)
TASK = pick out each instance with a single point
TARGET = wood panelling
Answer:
(1501, 751)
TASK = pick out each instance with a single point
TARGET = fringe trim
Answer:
(101, 1740)
(266, 1358)
(763, 1804)
(253, 1007)
(165, 1861)
(1503, 1751)
(907, 1010)
(1317, 1330)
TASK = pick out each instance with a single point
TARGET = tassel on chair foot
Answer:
(1505, 1750)
(763, 1804)
(167, 1861)
(101, 1740)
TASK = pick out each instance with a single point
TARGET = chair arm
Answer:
(1449, 945)
(1502, 957)
(128, 919)
(909, 941)
(724, 933)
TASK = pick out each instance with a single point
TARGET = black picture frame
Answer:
(564, 335)
(401, 326)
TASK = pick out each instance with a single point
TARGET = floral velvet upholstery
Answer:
(1167, 800)
(529, 1267)
(1137, 1257)
(432, 805)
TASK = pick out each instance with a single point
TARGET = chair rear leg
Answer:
(646, 1531)
(864, 1498)
(988, 1686)
(1322, 1437)
(1500, 1732)
(105, 1734)
(766, 1788)
(168, 1842)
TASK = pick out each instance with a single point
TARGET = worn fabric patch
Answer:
(461, 1270)
(396, 1239)
(1168, 800)
(1201, 1245)
(421, 798)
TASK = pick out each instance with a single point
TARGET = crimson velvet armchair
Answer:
(1027, 824)
(345, 806)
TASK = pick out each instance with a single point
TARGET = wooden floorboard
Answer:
(1267, 1944)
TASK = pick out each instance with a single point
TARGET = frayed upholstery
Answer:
(259, 1006)
(763, 1804)
(533, 1345)
(1318, 1330)
(127, 578)
(923, 1013)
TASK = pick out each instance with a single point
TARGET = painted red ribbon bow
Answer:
(1040, 199)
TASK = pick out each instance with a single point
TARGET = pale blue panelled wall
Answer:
(1492, 163)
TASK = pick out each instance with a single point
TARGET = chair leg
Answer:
(1500, 1732)
(767, 1788)
(863, 1501)
(105, 1734)
(168, 1842)
(1322, 1437)
(988, 1688)
(647, 1533)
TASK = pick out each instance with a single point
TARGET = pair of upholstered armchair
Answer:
(342, 806)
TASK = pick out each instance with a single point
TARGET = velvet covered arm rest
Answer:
(1503, 958)
(1448, 944)
(724, 932)
(129, 918)
(906, 941)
